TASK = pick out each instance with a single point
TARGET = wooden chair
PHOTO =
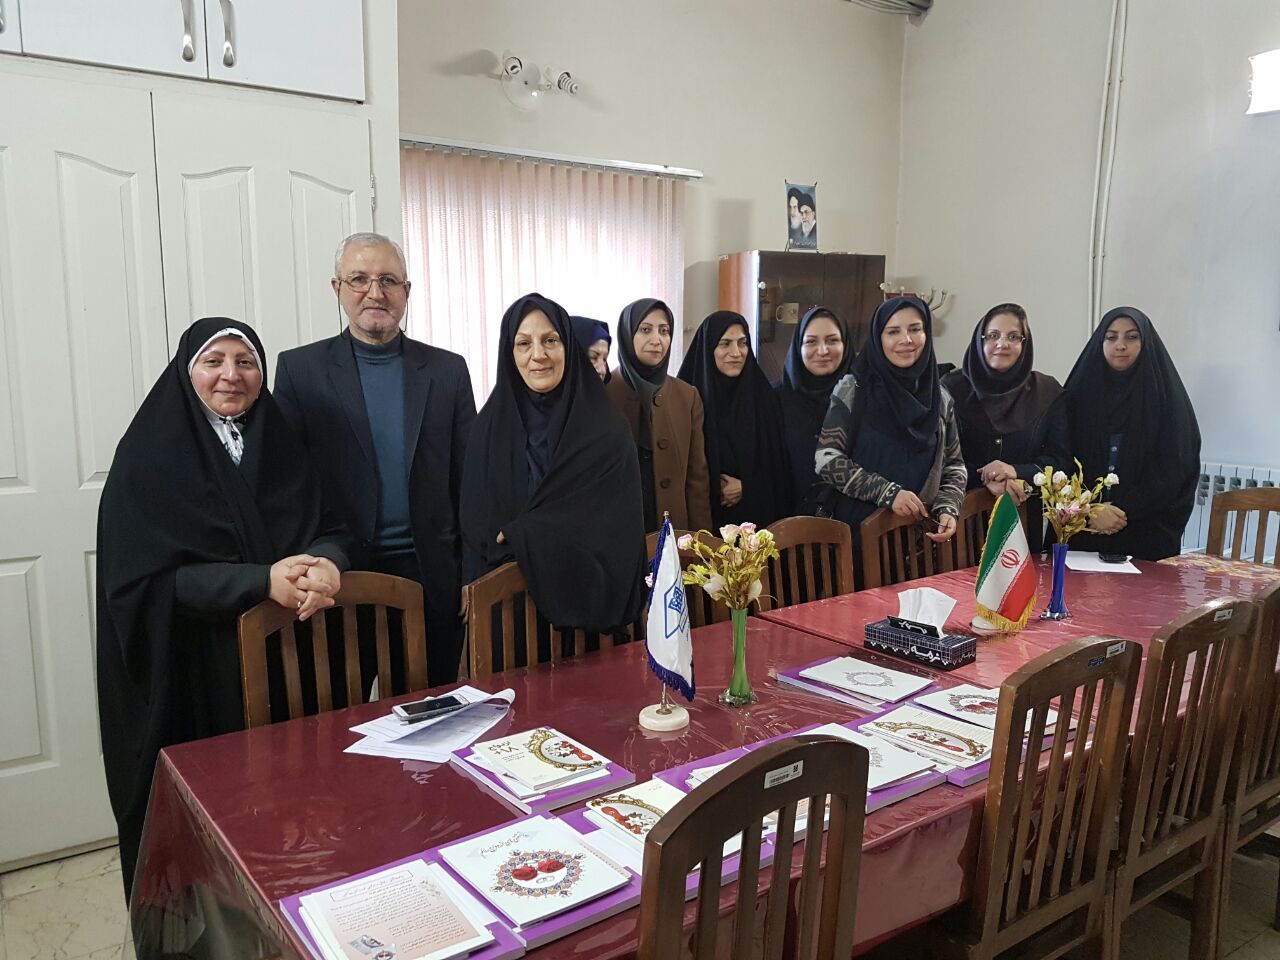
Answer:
(1233, 509)
(894, 549)
(1172, 811)
(1253, 791)
(735, 801)
(503, 596)
(702, 609)
(269, 625)
(815, 561)
(1047, 831)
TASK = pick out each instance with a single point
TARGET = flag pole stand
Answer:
(665, 715)
(980, 624)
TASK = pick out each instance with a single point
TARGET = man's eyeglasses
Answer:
(994, 337)
(361, 284)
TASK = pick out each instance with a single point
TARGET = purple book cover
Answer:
(570, 921)
(553, 799)
(835, 693)
(506, 945)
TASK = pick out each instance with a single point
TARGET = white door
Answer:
(308, 46)
(163, 36)
(250, 217)
(82, 338)
(10, 31)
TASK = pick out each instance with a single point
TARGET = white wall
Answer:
(1006, 95)
(752, 92)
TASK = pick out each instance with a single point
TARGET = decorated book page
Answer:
(889, 764)
(633, 812)
(944, 739)
(518, 789)
(411, 912)
(534, 869)
(974, 705)
(866, 679)
(541, 758)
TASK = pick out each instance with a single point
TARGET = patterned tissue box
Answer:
(921, 643)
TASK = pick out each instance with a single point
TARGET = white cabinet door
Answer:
(163, 36)
(82, 339)
(10, 31)
(308, 46)
(251, 214)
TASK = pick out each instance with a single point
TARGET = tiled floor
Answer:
(74, 910)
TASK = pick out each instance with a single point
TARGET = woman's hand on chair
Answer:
(282, 584)
(946, 528)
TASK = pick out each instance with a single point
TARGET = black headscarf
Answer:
(742, 430)
(805, 398)
(909, 397)
(1159, 454)
(645, 379)
(588, 331)
(1003, 401)
(587, 575)
(174, 497)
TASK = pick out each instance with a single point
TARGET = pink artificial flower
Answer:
(685, 541)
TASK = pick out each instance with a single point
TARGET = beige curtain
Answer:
(481, 231)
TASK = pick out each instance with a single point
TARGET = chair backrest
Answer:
(1187, 723)
(772, 778)
(1258, 756)
(1046, 834)
(1232, 509)
(894, 549)
(269, 625)
(500, 599)
(702, 609)
(815, 561)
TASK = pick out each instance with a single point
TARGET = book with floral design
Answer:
(541, 758)
(864, 683)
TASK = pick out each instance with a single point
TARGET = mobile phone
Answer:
(1113, 557)
(427, 709)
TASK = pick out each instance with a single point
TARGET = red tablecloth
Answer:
(238, 822)
(1130, 606)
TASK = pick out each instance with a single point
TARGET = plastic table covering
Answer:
(237, 822)
(1128, 606)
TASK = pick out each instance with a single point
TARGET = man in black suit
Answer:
(385, 419)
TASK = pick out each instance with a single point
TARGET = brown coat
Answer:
(679, 458)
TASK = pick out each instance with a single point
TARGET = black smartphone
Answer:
(427, 709)
(1113, 557)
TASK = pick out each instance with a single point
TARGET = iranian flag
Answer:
(1006, 588)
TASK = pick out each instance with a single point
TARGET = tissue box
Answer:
(947, 652)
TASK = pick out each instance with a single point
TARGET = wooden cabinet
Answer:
(302, 46)
(774, 289)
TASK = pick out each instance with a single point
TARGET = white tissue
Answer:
(925, 605)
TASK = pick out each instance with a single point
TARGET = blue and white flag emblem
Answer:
(667, 628)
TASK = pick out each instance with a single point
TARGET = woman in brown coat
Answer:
(666, 419)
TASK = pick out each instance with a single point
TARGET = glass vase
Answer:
(1057, 609)
(739, 692)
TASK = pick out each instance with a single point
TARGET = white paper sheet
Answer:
(391, 727)
(1086, 561)
(439, 738)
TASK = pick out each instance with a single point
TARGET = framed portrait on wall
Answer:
(802, 216)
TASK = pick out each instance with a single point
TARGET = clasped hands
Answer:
(998, 477)
(304, 583)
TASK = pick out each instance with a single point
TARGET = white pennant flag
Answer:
(667, 627)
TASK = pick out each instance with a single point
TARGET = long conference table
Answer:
(238, 822)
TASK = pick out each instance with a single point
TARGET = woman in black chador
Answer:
(746, 456)
(210, 508)
(551, 478)
(1130, 415)
(1013, 419)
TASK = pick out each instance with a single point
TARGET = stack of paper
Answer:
(412, 911)
(965, 748)
(434, 740)
(894, 773)
(856, 682)
(543, 877)
(540, 769)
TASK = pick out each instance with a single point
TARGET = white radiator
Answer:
(1216, 478)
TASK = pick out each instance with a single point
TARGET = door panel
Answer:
(83, 334)
(250, 223)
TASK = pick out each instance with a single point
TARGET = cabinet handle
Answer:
(228, 33)
(2, 23)
(188, 41)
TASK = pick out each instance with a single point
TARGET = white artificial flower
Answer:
(1085, 496)
(648, 580)
(1111, 480)
(748, 527)
(1059, 478)
(685, 541)
(729, 531)
(1038, 479)
(757, 588)
(715, 584)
